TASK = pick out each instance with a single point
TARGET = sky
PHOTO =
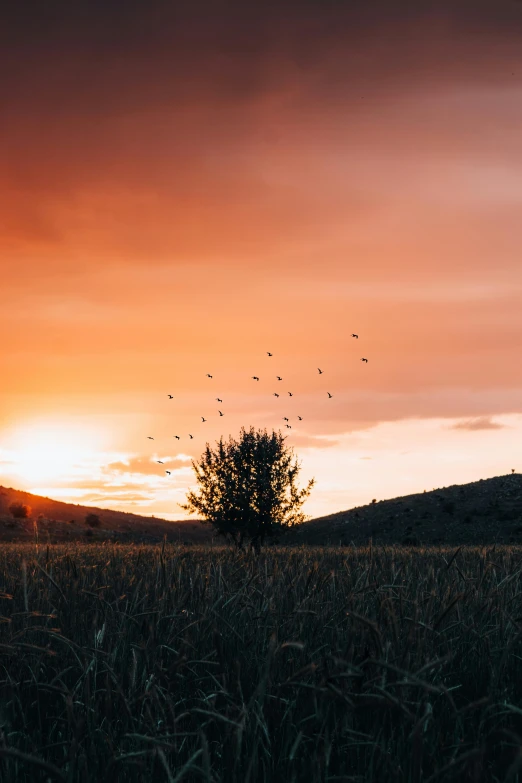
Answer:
(187, 186)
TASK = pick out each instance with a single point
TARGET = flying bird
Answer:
(329, 395)
(269, 354)
(221, 414)
(218, 400)
(279, 378)
(289, 426)
(285, 419)
(167, 471)
(209, 376)
(300, 418)
(355, 335)
(150, 437)
(276, 394)
(170, 397)
(191, 436)
(290, 394)
(320, 371)
(203, 419)
(364, 360)
(255, 378)
(176, 436)
(159, 462)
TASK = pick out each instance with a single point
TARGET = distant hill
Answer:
(483, 512)
(58, 521)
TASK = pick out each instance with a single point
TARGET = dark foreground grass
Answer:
(171, 664)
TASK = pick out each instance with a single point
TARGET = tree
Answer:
(93, 520)
(19, 510)
(247, 488)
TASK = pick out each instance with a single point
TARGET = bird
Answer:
(329, 395)
(512, 470)
(167, 471)
(218, 400)
(159, 462)
(355, 335)
(208, 376)
(279, 378)
(289, 426)
(150, 437)
(203, 419)
(320, 371)
(255, 378)
(269, 354)
(275, 394)
(300, 418)
(191, 436)
(176, 436)
(170, 397)
(290, 394)
(221, 414)
(364, 360)
(285, 419)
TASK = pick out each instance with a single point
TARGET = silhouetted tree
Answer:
(93, 520)
(19, 510)
(247, 488)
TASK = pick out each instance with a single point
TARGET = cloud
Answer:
(162, 117)
(148, 466)
(119, 497)
(480, 423)
(311, 441)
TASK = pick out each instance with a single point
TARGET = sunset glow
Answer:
(202, 189)
(48, 452)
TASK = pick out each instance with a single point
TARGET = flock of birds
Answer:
(254, 378)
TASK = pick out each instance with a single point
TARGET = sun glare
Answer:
(50, 451)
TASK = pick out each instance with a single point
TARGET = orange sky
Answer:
(186, 186)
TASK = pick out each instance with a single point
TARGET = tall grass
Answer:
(121, 663)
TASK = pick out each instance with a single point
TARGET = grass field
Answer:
(150, 663)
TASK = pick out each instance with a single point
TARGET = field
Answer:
(172, 663)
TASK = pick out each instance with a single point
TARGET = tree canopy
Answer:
(248, 487)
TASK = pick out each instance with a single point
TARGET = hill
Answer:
(59, 521)
(482, 512)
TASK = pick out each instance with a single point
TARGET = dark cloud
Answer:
(166, 107)
(106, 56)
(480, 423)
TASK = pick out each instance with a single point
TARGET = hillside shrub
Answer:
(20, 510)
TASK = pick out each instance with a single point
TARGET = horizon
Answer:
(187, 188)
